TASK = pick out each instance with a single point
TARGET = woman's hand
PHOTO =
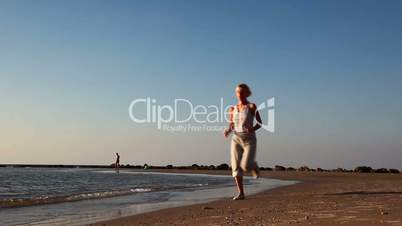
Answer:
(248, 129)
(226, 132)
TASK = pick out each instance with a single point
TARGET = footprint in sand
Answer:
(324, 215)
(368, 207)
(345, 218)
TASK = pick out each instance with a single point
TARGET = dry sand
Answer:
(321, 199)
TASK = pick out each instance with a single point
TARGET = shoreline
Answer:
(92, 208)
(321, 198)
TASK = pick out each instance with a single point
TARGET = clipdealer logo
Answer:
(184, 116)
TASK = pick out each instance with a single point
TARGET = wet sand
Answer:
(321, 199)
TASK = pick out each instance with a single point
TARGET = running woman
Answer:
(243, 143)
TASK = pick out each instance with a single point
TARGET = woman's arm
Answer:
(231, 124)
(257, 117)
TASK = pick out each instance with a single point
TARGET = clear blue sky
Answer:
(69, 69)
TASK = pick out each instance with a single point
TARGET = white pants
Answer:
(242, 154)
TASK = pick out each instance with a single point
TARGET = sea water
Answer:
(60, 196)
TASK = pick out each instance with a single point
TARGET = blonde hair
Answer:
(246, 88)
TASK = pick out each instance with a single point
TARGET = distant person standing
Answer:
(117, 164)
(243, 145)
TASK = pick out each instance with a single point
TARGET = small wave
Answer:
(141, 190)
(105, 194)
(19, 202)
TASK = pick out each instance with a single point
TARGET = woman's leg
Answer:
(239, 183)
(256, 171)
(237, 172)
(248, 163)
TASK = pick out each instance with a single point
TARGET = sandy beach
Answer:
(322, 198)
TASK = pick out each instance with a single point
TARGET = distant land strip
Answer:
(223, 166)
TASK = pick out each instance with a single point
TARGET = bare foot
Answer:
(256, 171)
(239, 197)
